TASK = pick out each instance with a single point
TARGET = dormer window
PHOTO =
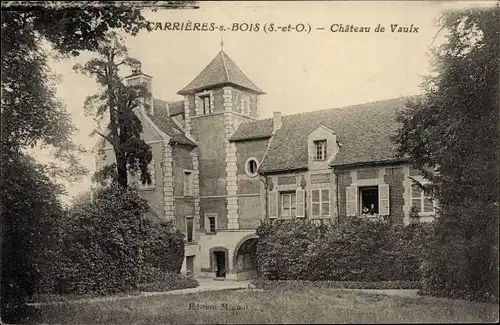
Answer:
(320, 149)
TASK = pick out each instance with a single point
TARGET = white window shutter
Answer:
(351, 200)
(300, 202)
(273, 204)
(315, 203)
(383, 199)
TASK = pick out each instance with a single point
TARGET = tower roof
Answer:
(221, 71)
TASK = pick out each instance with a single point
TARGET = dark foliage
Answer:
(109, 245)
(453, 129)
(31, 234)
(356, 250)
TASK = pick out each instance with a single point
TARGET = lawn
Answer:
(274, 306)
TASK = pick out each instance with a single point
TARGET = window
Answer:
(368, 200)
(134, 178)
(188, 183)
(211, 222)
(245, 105)
(320, 200)
(421, 203)
(288, 205)
(206, 108)
(320, 149)
(251, 167)
(189, 229)
(151, 169)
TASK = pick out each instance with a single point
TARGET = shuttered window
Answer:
(320, 202)
(300, 197)
(351, 200)
(273, 204)
(383, 200)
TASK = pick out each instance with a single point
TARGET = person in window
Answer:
(366, 210)
(372, 209)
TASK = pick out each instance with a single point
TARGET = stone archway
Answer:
(244, 257)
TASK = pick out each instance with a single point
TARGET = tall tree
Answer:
(453, 128)
(120, 103)
(32, 116)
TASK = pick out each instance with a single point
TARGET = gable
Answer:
(321, 133)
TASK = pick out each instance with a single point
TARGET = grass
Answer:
(315, 305)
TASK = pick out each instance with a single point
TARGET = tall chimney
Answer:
(276, 121)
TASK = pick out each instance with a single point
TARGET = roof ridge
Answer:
(225, 65)
(350, 106)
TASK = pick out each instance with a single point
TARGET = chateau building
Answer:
(218, 170)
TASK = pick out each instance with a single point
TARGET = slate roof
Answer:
(220, 71)
(260, 129)
(364, 132)
(166, 124)
(176, 108)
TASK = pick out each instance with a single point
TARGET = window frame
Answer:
(292, 204)
(203, 108)
(207, 223)
(360, 197)
(324, 149)
(191, 218)
(247, 167)
(321, 202)
(422, 199)
(152, 172)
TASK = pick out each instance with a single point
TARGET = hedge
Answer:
(292, 284)
(356, 250)
(158, 280)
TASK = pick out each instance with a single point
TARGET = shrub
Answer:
(109, 246)
(164, 247)
(154, 279)
(356, 250)
(462, 260)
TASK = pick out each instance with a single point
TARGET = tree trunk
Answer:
(121, 163)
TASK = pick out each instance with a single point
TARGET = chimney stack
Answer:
(276, 121)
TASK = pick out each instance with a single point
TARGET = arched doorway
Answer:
(244, 258)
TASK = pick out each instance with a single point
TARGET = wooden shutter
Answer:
(325, 202)
(351, 200)
(273, 204)
(300, 202)
(315, 203)
(383, 199)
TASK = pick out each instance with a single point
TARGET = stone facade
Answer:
(168, 183)
(228, 200)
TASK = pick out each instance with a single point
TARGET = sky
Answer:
(298, 71)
